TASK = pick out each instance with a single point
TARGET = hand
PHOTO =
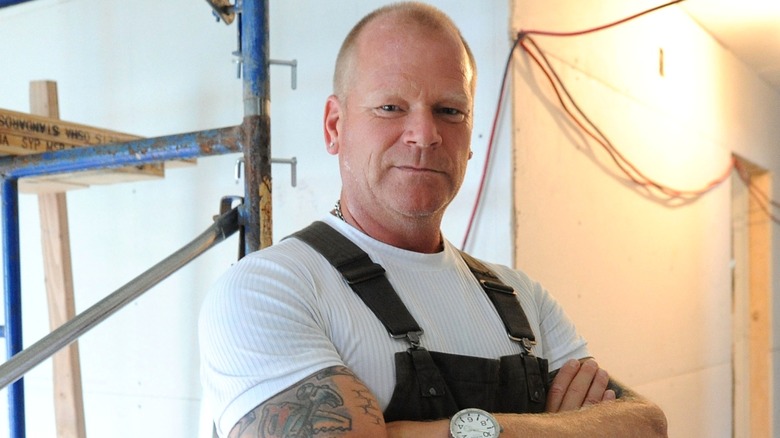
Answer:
(578, 384)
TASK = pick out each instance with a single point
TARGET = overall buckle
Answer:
(412, 337)
(526, 343)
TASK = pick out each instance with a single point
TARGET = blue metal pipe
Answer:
(257, 212)
(4, 3)
(254, 56)
(192, 145)
(13, 299)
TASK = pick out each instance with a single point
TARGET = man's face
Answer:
(404, 123)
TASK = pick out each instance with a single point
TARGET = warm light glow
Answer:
(730, 10)
(749, 28)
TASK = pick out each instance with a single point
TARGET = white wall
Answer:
(154, 68)
(648, 282)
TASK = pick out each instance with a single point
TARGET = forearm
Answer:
(628, 417)
(637, 418)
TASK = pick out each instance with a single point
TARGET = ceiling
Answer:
(748, 28)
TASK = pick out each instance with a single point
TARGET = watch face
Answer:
(474, 423)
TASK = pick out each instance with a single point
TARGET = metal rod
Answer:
(152, 150)
(293, 162)
(257, 213)
(13, 299)
(254, 56)
(224, 226)
(293, 64)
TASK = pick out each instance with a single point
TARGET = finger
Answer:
(597, 388)
(579, 386)
(560, 384)
(609, 395)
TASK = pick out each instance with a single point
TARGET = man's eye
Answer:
(452, 114)
(450, 111)
(390, 108)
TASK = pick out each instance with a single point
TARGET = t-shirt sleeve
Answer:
(561, 339)
(557, 337)
(248, 354)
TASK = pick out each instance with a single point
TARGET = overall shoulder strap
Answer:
(505, 301)
(369, 282)
(365, 277)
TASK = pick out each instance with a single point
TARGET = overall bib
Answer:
(433, 385)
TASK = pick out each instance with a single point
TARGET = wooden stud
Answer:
(760, 320)
(55, 236)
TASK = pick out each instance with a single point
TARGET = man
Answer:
(290, 349)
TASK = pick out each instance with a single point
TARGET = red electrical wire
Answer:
(489, 150)
(628, 168)
(595, 29)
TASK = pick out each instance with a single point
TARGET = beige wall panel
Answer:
(647, 281)
(702, 419)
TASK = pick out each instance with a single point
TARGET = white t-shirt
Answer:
(284, 313)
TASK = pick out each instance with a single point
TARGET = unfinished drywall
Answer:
(646, 279)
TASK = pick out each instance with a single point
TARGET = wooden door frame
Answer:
(752, 302)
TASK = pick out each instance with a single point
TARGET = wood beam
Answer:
(55, 236)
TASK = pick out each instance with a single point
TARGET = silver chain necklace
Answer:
(337, 210)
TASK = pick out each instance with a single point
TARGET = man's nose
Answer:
(421, 129)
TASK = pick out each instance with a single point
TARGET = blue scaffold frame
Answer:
(252, 137)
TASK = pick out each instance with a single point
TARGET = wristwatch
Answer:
(474, 423)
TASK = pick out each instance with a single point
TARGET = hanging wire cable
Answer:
(489, 151)
(596, 29)
(502, 91)
(527, 43)
(629, 169)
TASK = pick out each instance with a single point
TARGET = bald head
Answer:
(424, 18)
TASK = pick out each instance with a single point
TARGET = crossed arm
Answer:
(583, 401)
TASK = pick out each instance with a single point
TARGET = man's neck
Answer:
(416, 234)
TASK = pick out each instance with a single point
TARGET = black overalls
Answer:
(432, 385)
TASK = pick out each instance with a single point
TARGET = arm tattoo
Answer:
(364, 395)
(311, 413)
(334, 371)
(368, 406)
(312, 407)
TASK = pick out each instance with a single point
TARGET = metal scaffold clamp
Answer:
(223, 10)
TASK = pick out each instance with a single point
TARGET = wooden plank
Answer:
(22, 134)
(41, 185)
(55, 237)
(760, 321)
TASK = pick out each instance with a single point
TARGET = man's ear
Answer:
(331, 124)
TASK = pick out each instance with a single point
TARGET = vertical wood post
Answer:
(760, 321)
(68, 397)
(752, 302)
